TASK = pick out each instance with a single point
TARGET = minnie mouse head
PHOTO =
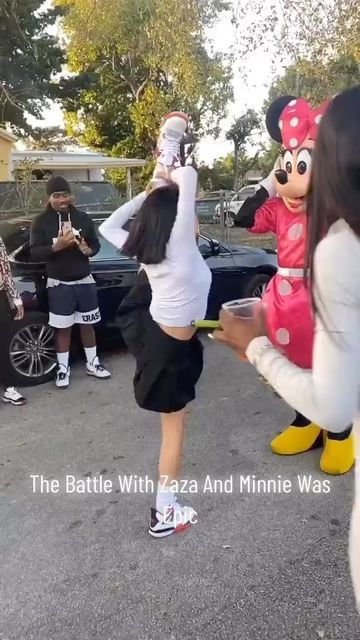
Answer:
(292, 122)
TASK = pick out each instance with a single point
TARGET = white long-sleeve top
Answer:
(329, 394)
(180, 284)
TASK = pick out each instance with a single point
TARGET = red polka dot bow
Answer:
(299, 121)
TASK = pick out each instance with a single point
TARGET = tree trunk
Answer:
(236, 171)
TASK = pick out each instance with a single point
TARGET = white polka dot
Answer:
(285, 288)
(283, 336)
(293, 143)
(296, 231)
(318, 118)
(294, 122)
(292, 103)
(281, 124)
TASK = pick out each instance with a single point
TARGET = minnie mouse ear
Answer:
(273, 116)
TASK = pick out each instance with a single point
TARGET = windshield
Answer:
(28, 199)
(107, 250)
(243, 194)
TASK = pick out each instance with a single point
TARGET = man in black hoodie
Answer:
(65, 238)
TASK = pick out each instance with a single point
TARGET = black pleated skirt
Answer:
(167, 369)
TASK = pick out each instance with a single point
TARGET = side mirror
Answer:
(215, 246)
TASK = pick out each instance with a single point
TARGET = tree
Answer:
(29, 57)
(320, 31)
(315, 82)
(240, 132)
(135, 60)
(49, 139)
(218, 177)
(267, 158)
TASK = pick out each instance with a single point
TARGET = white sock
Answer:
(165, 497)
(91, 355)
(63, 359)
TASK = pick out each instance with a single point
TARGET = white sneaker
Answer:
(62, 377)
(12, 396)
(173, 520)
(172, 129)
(97, 370)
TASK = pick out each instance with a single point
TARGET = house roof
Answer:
(6, 135)
(73, 160)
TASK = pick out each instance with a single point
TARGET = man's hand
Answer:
(84, 247)
(237, 332)
(64, 241)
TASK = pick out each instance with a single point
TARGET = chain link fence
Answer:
(217, 221)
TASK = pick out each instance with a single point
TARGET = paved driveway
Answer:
(81, 566)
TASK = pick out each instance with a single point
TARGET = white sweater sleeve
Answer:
(327, 395)
(112, 227)
(184, 225)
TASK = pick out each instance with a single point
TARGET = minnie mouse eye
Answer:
(303, 161)
(287, 162)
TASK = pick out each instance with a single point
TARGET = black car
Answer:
(238, 271)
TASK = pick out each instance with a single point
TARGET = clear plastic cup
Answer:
(243, 308)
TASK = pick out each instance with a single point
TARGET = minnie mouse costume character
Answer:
(292, 122)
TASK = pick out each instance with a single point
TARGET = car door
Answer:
(114, 275)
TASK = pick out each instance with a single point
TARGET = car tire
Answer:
(31, 355)
(256, 286)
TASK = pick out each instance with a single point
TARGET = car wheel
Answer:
(31, 353)
(257, 286)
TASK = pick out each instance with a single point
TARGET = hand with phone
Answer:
(65, 239)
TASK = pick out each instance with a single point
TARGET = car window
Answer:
(204, 245)
(107, 250)
(246, 192)
(243, 194)
(95, 196)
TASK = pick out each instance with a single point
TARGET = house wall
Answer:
(5, 159)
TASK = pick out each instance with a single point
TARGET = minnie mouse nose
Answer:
(281, 176)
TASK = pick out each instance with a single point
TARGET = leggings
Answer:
(301, 421)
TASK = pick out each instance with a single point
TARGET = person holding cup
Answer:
(329, 393)
(280, 206)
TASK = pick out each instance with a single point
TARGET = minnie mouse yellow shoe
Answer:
(338, 456)
(297, 440)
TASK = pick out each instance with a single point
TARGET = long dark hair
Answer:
(150, 231)
(335, 181)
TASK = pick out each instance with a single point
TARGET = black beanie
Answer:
(57, 184)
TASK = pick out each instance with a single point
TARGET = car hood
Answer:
(241, 248)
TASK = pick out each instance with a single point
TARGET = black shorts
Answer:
(167, 369)
(71, 304)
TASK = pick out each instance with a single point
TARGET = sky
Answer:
(258, 71)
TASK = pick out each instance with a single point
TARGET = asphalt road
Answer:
(81, 566)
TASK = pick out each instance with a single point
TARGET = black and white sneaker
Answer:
(12, 396)
(97, 370)
(62, 377)
(173, 520)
